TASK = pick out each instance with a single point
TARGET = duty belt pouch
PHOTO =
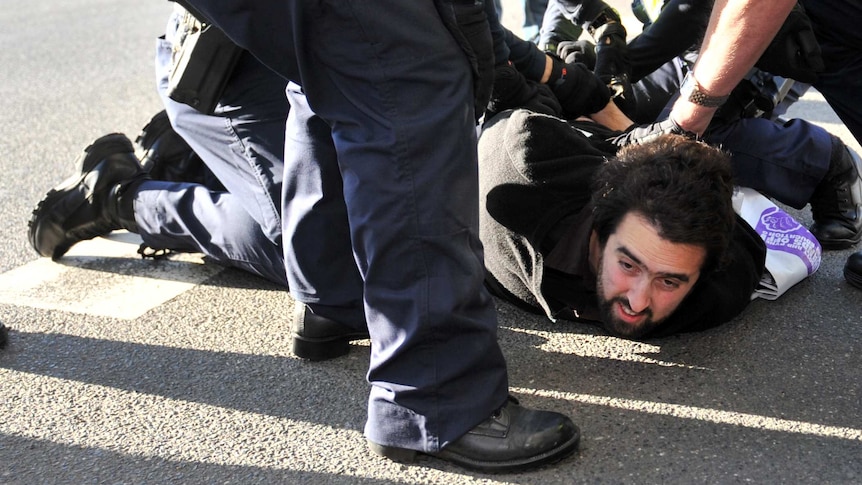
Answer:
(202, 64)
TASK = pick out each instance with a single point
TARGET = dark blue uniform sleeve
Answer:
(498, 33)
(566, 20)
(526, 56)
(679, 27)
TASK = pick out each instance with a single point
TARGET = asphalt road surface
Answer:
(120, 370)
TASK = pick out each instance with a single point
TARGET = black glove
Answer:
(612, 53)
(544, 100)
(469, 25)
(512, 90)
(794, 51)
(640, 134)
(583, 51)
(613, 65)
(580, 92)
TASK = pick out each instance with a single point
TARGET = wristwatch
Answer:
(690, 91)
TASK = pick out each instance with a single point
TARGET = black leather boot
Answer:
(853, 270)
(513, 439)
(836, 204)
(319, 338)
(94, 201)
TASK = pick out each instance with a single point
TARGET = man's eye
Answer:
(626, 266)
(669, 284)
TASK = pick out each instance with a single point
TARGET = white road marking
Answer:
(104, 277)
(747, 420)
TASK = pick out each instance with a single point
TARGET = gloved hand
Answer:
(580, 92)
(544, 100)
(613, 65)
(583, 51)
(640, 134)
(612, 54)
(512, 90)
(794, 51)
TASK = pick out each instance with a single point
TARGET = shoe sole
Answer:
(837, 244)
(853, 278)
(554, 455)
(86, 163)
(317, 349)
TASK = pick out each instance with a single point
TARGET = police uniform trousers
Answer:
(836, 27)
(242, 143)
(381, 201)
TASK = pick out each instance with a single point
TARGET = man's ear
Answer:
(595, 251)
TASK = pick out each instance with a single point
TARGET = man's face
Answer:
(643, 278)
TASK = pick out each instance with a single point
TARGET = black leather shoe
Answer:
(90, 203)
(513, 439)
(836, 205)
(853, 270)
(318, 338)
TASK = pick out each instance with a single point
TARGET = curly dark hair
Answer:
(681, 186)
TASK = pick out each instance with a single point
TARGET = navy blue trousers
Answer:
(836, 26)
(381, 201)
(242, 143)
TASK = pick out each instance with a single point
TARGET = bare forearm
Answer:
(612, 117)
(738, 33)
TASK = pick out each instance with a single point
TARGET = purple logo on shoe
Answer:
(781, 232)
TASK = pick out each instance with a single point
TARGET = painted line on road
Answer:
(747, 420)
(104, 277)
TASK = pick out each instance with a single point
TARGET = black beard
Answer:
(613, 325)
(616, 327)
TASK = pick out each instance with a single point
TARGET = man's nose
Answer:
(639, 295)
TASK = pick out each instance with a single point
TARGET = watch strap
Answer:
(691, 91)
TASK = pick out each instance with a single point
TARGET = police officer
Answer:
(235, 222)
(380, 217)
(836, 26)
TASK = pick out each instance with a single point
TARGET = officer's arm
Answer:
(738, 33)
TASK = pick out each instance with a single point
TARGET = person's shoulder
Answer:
(523, 123)
(531, 137)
